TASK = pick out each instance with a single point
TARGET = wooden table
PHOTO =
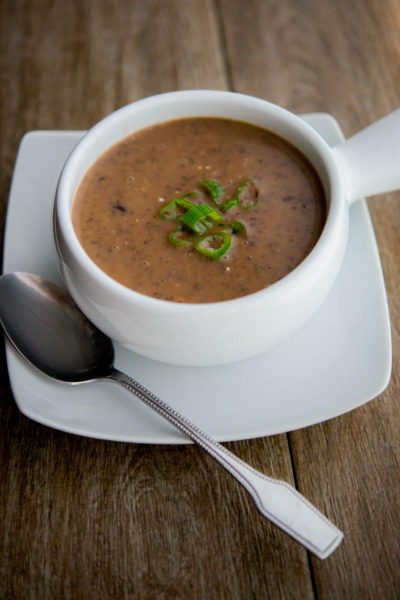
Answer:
(84, 519)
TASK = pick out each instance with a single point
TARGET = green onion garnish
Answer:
(197, 217)
(233, 227)
(247, 194)
(237, 227)
(229, 203)
(215, 245)
(194, 219)
(215, 189)
(176, 237)
(211, 213)
(176, 207)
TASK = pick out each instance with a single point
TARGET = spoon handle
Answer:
(276, 500)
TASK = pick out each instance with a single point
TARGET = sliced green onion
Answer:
(233, 227)
(176, 237)
(215, 189)
(203, 226)
(247, 194)
(194, 219)
(170, 211)
(197, 218)
(210, 212)
(176, 207)
(214, 246)
(229, 203)
(237, 227)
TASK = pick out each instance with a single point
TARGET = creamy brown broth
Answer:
(116, 209)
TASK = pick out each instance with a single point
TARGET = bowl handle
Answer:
(370, 160)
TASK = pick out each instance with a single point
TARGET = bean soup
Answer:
(199, 210)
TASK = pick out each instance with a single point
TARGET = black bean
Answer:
(120, 207)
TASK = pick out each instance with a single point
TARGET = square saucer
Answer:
(339, 360)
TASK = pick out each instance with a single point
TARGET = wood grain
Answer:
(322, 56)
(89, 519)
(94, 519)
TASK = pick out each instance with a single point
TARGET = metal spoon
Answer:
(48, 329)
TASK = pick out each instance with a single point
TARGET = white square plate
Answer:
(336, 362)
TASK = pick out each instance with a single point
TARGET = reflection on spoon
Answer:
(48, 329)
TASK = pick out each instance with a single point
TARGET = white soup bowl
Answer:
(227, 331)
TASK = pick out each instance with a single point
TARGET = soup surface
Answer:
(116, 211)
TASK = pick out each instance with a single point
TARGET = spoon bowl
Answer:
(48, 330)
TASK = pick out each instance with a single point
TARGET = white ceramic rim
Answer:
(336, 199)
